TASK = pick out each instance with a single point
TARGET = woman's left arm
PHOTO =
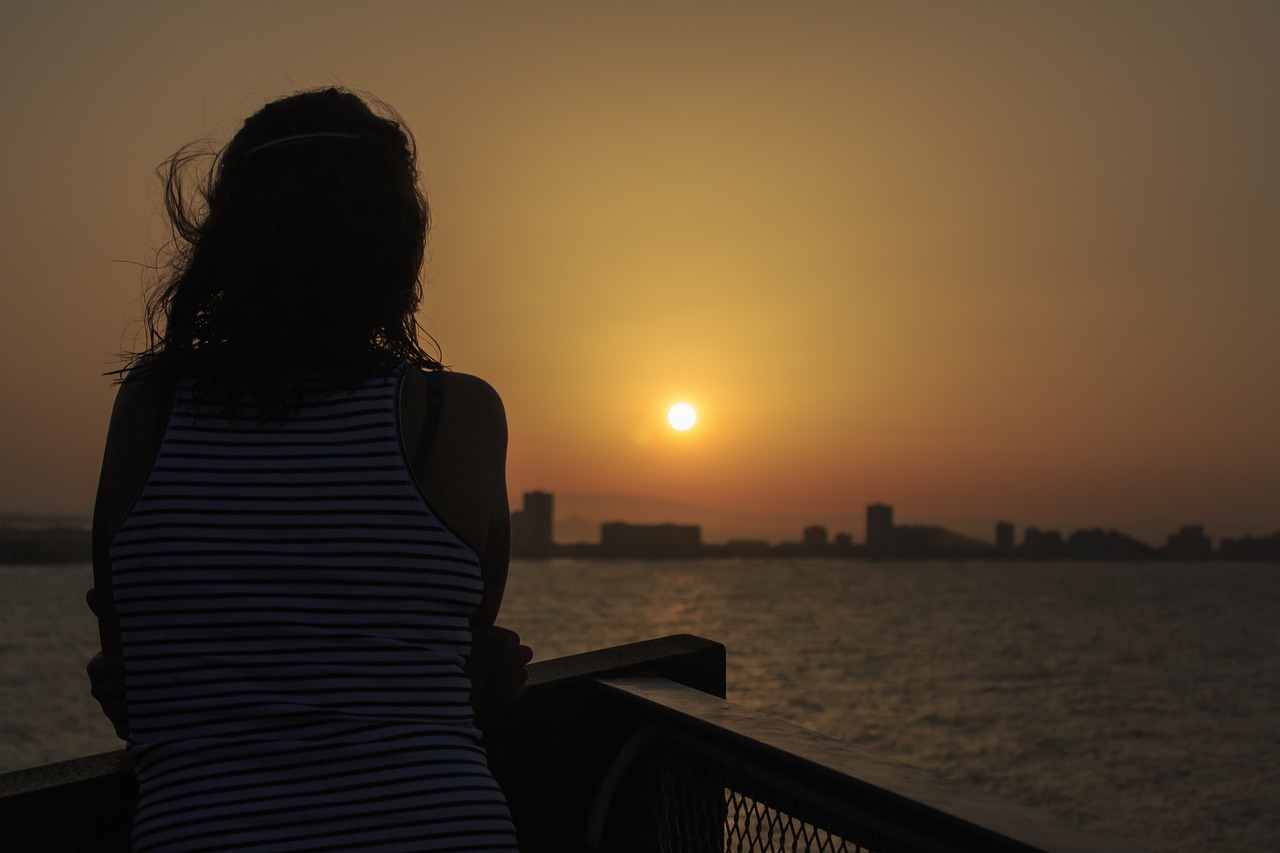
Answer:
(497, 665)
(464, 478)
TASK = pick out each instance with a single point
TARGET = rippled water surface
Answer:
(1139, 700)
(1142, 701)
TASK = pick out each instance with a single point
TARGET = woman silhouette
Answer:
(301, 531)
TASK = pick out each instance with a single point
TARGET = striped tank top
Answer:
(295, 621)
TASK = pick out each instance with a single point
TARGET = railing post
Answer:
(552, 750)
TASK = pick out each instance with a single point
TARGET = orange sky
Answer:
(993, 260)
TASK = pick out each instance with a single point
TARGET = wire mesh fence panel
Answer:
(752, 825)
(681, 797)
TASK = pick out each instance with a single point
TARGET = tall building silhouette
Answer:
(815, 539)
(1004, 536)
(533, 526)
(879, 530)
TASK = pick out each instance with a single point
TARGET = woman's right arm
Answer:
(133, 437)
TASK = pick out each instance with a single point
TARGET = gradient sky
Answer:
(980, 260)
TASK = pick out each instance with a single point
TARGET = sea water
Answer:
(1137, 700)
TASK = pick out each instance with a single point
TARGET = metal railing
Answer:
(707, 775)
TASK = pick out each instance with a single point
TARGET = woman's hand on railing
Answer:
(106, 682)
(497, 666)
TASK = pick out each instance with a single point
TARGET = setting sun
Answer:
(682, 416)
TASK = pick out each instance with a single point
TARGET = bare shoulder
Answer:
(473, 393)
(137, 424)
(471, 402)
(140, 397)
(464, 475)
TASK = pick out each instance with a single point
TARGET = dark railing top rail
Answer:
(921, 810)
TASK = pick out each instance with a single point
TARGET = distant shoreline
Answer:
(43, 521)
(33, 545)
(1264, 551)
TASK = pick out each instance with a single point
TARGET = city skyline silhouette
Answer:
(534, 535)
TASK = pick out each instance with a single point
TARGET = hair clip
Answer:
(300, 137)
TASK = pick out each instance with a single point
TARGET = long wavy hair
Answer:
(295, 256)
